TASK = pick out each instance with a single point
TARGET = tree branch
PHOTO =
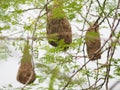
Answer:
(68, 82)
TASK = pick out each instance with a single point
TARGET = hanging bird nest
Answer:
(26, 73)
(58, 27)
(93, 42)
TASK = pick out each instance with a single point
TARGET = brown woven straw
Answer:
(26, 73)
(93, 42)
(58, 28)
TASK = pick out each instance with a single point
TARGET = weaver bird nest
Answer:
(93, 42)
(58, 29)
(26, 73)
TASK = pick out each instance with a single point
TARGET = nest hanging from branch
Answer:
(58, 27)
(93, 42)
(26, 73)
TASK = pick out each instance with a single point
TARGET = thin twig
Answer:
(35, 28)
(21, 10)
(111, 53)
(68, 82)
(84, 42)
(33, 35)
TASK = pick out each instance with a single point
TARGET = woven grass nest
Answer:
(58, 28)
(93, 42)
(26, 73)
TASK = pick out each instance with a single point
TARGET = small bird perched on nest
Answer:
(26, 73)
(58, 27)
(93, 42)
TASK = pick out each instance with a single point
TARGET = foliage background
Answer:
(22, 19)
